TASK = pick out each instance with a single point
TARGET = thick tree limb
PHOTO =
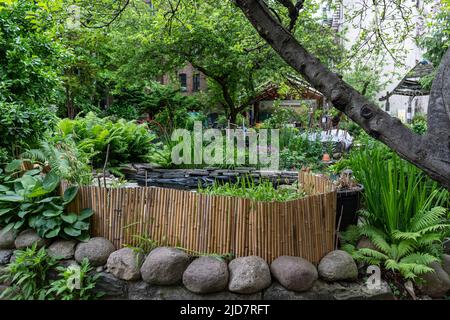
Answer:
(293, 9)
(432, 157)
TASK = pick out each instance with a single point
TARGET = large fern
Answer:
(63, 158)
(407, 252)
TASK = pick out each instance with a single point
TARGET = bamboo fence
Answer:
(216, 224)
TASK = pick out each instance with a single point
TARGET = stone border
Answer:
(190, 179)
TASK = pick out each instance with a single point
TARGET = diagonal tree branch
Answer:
(293, 9)
(433, 159)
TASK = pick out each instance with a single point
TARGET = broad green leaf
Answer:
(5, 210)
(51, 181)
(70, 194)
(49, 199)
(11, 198)
(53, 233)
(19, 224)
(51, 213)
(70, 218)
(38, 192)
(28, 182)
(3, 188)
(85, 213)
(13, 166)
(23, 213)
(81, 225)
(32, 172)
(7, 228)
(84, 237)
(72, 231)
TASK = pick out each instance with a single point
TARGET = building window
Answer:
(183, 82)
(196, 82)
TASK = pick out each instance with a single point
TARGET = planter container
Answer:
(348, 204)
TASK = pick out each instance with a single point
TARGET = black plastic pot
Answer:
(348, 205)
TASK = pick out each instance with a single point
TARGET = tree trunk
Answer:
(430, 152)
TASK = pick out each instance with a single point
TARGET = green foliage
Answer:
(128, 141)
(171, 108)
(247, 188)
(144, 244)
(62, 156)
(395, 191)
(408, 253)
(298, 151)
(75, 283)
(31, 59)
(419, 124)
(28, 275)
(29, 200)
(405, 217)
(365, 79)
(29, 278)
(22, 126)
(280, 118)
(122, 112)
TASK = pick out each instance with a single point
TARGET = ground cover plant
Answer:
(405, 216)
(247, 188)
(29, 278)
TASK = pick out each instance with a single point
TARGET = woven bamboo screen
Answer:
(215, 224)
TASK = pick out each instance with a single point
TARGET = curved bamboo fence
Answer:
(216, 224)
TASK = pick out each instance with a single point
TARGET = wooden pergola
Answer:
(411, 85)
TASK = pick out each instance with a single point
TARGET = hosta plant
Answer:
(30, 200)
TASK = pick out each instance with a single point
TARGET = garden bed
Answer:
(216, 224)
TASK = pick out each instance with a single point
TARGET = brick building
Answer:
(188, 78)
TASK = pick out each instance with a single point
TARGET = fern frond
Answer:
(425, 219)
(377, 237)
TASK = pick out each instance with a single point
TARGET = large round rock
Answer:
(125, 264)
(206, 275)
(27, 238)
(164, 266)
(7, 239)
(435, 284)
(96, 250)
(62, 249)
(338, 265)
(248, 275)
(294, 273)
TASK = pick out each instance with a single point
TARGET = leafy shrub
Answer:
(75, 283)
(29, 200)
(128, 141)
(405, 216)
(29, 278)
(280, 117)
(28, 275)
(22, 126)
(62, 156)
(122, 112)
(298, 151)
(419, 124)
(247, 188)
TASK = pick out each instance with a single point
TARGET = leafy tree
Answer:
(437, 41)
(430, 152)
(30, 65)
(215, 38)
